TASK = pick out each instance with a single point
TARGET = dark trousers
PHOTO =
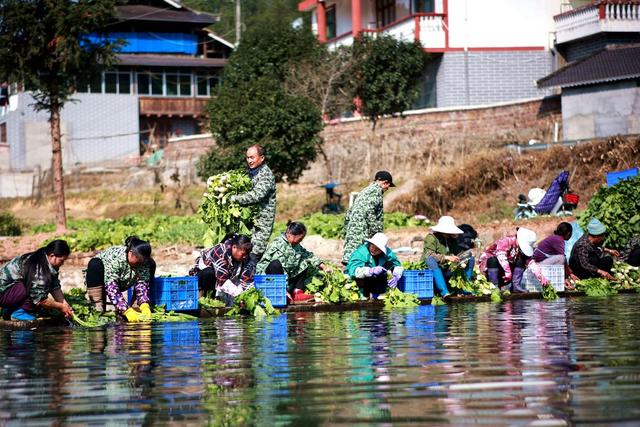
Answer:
(16, 297)
(634, 258)
(296, 282)
(603, 262)
(375, 285)
(95, 272)
(494, 263)
(207, 281)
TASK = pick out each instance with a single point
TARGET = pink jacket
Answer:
(506, 251)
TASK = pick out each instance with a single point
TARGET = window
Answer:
(169, 82)
(143, 84)
(331, 22)
(385, 12)
(110, 82)
(206, 84)
(423, 6)
(3, 133)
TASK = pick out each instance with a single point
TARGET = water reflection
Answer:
(518, 363)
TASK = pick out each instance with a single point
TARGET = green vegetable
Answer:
(159, 314)
(627, 276)
(254, 303)
(394, 298)
(618, 207)
(209, 302)
(84, 314)
(219, 212)
(549, 293)
(89, 235)
(496, 297)
(436, 300)
(596, 287)
(414, 265)
(478, 285)
(333, 286)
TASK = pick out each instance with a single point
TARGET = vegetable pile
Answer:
(208, 302)
(436, 300)
(596, 287)
(414, 265)
(549, 292)
(219, 212)
(254, 303)
(395, 298)
(333, 286)
(627, 276)
(618, 208)
(85, 315)
(89, 235)
(478, 285)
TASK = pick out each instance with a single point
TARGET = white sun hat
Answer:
(379, 240)
(446, 225)
(535, 195)
(526, 239)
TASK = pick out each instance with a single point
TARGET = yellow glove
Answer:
(145, 310)
(132, 315)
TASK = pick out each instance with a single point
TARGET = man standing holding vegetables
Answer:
(365, 217)
(263, 195)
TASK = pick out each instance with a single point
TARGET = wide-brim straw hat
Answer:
(526, 239)
(379, 240)
(446, 225)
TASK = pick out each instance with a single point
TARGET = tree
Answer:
(260, 112)
(387, 74)
(252, 106)
(45, 45)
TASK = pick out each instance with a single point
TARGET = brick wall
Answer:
(421, 142)
(493, 77)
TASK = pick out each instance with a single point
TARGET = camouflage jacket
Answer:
(118, 270)
(12, 272)
(263, 194)
(364, 219)
(294, 259)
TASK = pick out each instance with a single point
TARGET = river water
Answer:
(527, 362)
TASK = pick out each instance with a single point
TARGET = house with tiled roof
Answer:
(166, 70)
(600, 81)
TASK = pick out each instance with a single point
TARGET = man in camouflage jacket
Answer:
(365, 217)
(262, 194)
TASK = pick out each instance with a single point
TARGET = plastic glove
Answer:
(376, 271)
(231, 288)
(393, 281)
(145, 310)
(132, 315)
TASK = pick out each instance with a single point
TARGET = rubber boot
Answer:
(516, 279)
(96, 296)
(438, 276)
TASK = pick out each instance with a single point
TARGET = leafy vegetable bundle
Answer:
(414, 265)
(254, 303)
(618, 208)
(549, 292)
(478, 285)
(209, 302)
(221, 214)
(333, 287)
(84, 314)
(394, 298)
(627, 276)
(596, 287)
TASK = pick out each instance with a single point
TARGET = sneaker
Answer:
(300, 296)
(21, 315)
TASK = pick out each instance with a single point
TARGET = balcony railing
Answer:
(605, 16)
(428, 28)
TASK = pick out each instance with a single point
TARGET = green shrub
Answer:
(9, 225)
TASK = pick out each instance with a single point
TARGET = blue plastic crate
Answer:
(615, 177)
(273, 286)
(417, 282)
(176, 293)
